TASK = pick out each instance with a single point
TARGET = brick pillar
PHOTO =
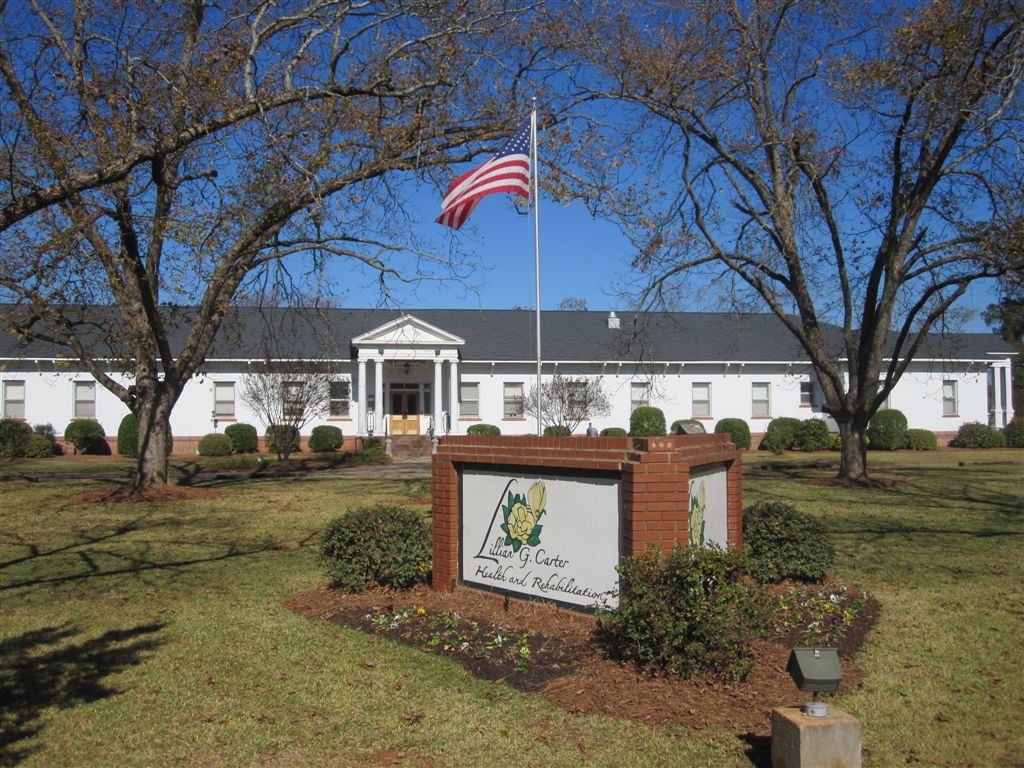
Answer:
(445, 525)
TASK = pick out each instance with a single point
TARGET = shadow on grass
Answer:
(759, 749)
(35, 675)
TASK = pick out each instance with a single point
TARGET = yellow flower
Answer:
(521, 521)
(421, 611)
(537, 497)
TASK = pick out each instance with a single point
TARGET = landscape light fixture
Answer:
(815, 670)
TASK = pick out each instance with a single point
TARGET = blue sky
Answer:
(581, 257)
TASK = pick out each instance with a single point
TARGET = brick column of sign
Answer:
(734, 477)
(654, 498)
(445, 525)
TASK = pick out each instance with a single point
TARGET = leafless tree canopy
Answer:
(288, 395)
(838, 162)
(568, 401)
(185, 152)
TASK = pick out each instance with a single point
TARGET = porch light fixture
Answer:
(815, 670)
(369, 423)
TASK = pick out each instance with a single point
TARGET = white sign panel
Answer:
(709, 504)
(549, 536)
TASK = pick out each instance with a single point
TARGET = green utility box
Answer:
(815, 669)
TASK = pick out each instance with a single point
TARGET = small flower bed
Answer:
(454, 635)
(816, 615)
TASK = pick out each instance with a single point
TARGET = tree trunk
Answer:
(853, 457)
(153, 414)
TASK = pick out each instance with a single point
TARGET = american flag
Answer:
(507, 171)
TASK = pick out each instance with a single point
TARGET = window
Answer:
(808, 395)
(639, 395)
(428, 401)
(701, 400)
(949, 407)
(291, 400)
(14, 400)
(761, 402)
(85, 400)
(513, 399)
(223, 400)
(469, 400)
(341, 398)
(576, 398)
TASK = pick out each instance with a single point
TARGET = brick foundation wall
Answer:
(654, 473)
(186, 445)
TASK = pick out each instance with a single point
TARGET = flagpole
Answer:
(536, 256)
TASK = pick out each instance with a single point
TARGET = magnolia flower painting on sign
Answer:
(522, 515)
(698, 506)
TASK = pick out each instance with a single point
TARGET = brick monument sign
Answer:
(551, 517)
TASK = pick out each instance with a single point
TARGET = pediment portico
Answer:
(408, 397)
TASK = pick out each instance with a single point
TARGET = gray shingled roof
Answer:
(507, 335)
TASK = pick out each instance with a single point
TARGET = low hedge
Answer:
(613, 432)
(37, 447)
(243, 437)
(214, 444)
(557, 430)
(781, 434)
(1014, 433)
(325, 438)
(921, 440)
(282, 439)
(86, 435)
(813, 435)
(128, 437)
(14, 436)
(887, 430)
(488, 430)
(976, 435)
(385, 545)
(737, 429)
(784, 543)
(647, 421)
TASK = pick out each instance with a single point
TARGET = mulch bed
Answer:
(568, 666)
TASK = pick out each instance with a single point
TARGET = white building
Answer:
(404, 372)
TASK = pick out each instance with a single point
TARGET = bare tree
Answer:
(287, 398)
(852, 167)
(568, 401)
(182, 152)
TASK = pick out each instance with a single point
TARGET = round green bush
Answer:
(784, 543)
(557, 430)
(282, 439)
(86, 435)
(14, 436)
(975, 435)
(689, 612)
(128, 437)
(921, 440)
(46, 430)
(325, 438)
(243, 437)
(1014, 433)
(488, 430)
(887, 430)
(613, 432)
(677, 426)
(385, 545)
(647, 421)
(214, 444)
(813, 435)
(781, 434)
(737, 429)
(38, 447)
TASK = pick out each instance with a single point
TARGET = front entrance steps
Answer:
(410, 446)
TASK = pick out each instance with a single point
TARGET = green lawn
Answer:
(154, 634)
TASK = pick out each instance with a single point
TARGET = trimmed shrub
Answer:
(976, 435)
(647, 421)
(737, 429)
(921, 440)
(613, 432)
(688, 612)
(373, 445)
(214, 444)
(813, 435)
(385, 545)
(784, 543)
(325, 438)
(677, 426)
(835, 441)
(128, 437)
(1014, 433)
(488, 430)
(557, 430)
(243, 437)
(86, 435)
(887, 430)
(46, 430)
(37, 447)
(14, 436)
(781, 434)
(282, 439)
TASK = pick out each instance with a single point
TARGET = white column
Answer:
(1008, 388)
(997, 396)
(436, 393)
(361, 427)
(378, 396)
(453, 395)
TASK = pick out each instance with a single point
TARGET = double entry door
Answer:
(405, 411)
